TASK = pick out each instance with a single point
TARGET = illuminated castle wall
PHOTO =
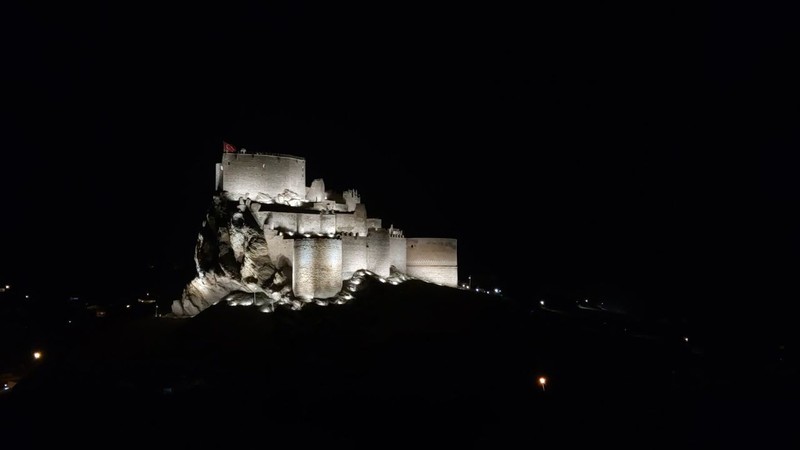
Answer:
(354, 255)
(433, 259)
(317, 269)
(245, 174)
(322, 238)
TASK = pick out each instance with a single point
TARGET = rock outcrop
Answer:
(232, 259)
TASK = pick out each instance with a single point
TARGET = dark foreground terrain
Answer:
(409, 365)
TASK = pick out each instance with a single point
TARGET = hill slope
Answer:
(399, 364)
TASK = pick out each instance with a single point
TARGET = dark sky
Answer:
(647, 149)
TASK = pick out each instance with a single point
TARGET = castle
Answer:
(323, 237)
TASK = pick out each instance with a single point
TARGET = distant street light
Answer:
(37, 355)
(542, 382)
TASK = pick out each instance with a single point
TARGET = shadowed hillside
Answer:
(398, 364)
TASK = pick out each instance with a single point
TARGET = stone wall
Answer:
(444, 275)
(354, 255)
(308, 223)
(317, 270)
(327, 223)
(360, 219)
(432, 251)
(283, 221)
(248, 174)
(280, 250)
(433, 259)
(378, 259)
(311, 222)
(398, 253)
(351, 223)
(345, 223)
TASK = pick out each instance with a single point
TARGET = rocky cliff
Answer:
(232, 259)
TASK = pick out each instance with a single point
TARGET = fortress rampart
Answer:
(354, 255)
(317, 270)
(398, 253)
(378, 259)
(433, 259)
(247, 175)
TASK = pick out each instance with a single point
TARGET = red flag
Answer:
(228, 148)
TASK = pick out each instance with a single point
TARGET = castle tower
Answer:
(317, 270)
(351, 199)
(378, 259)
(247, 175)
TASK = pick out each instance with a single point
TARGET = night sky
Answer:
(643, 151)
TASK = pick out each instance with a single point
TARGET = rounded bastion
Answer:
(317, 269)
